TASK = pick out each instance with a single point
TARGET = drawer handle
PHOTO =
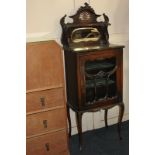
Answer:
(45, 123)
(47, 146)
(42, 100)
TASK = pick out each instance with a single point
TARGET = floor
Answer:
(102, 141)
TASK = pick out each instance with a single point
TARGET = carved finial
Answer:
(62, 20)
(106, 18)
(86, 4)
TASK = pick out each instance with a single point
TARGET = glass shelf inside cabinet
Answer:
(100, 79)
(96, 65)
(98, 82)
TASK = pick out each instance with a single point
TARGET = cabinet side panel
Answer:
(71, 78)
(120, 74)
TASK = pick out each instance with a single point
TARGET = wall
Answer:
(42, 19)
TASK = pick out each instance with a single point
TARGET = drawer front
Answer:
(45, 121)
(49, 144)
(44, 99)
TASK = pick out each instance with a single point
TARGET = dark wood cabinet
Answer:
(94, 82)
(94, 67)
(94, 77)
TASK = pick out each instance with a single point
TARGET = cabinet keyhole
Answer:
(45, 123)
(47, 146)
(42, 100)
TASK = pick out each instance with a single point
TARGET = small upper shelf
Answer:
(98, 82)
(98, 65)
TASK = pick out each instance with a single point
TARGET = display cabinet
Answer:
(94, 67)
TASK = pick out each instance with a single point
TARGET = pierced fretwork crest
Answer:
(85, 19)
(85, 14)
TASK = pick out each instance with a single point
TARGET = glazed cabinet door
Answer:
(101, 78)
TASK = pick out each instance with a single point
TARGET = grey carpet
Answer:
(102, 142)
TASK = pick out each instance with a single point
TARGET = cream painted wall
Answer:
(42, 23)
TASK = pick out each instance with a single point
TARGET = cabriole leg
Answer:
(121, 112)
(79, 127)
(105, 117)
(69, 120)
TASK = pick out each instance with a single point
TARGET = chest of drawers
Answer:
(46, 126)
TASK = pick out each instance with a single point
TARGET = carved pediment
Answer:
(85, 14)
(85, 27)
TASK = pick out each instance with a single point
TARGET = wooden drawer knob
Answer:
(47, 146)
(42, 101)
(45, 123)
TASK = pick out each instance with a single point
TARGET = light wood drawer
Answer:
(44, 99)
(49, 144)
(45, 121)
